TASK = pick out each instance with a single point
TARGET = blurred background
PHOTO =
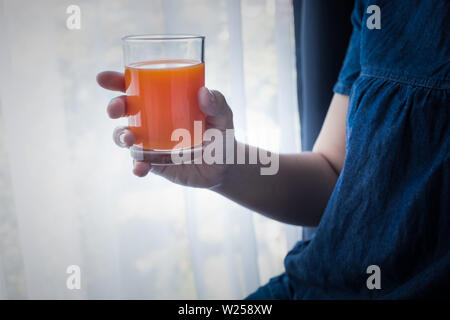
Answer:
(67, 194)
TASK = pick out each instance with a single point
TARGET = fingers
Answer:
(214, 106)
(141, 168)
(111, 80)
(123, 137)
(117, 107)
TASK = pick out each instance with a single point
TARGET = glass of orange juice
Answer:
(163, 74)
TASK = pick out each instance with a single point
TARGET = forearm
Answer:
(297, 194)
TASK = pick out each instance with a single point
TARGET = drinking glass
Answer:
(163, 74)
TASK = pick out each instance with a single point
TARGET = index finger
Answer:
(111, 80)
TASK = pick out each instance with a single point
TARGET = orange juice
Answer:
(162, 97)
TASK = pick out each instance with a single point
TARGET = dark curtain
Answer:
(322, 32)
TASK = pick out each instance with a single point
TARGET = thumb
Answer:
(213, 104)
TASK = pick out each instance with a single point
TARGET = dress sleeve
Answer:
(351, 67)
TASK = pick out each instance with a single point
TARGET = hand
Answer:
(218, 115)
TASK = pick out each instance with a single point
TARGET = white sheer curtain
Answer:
(67, 194)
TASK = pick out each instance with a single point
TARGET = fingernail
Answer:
(212, 97)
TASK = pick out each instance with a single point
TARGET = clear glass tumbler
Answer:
(163, 74)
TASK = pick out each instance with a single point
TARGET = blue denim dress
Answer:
(390, 206)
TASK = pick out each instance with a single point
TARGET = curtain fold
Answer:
(68, 196)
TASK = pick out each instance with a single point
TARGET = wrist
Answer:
(228, 171)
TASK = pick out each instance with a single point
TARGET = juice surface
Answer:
(162, 97)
